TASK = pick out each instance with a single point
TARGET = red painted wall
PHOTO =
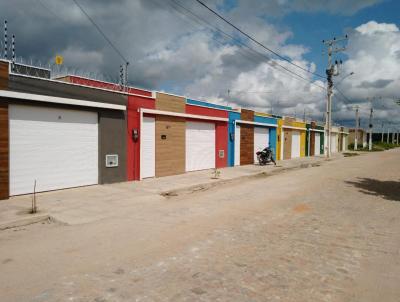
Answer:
(106, 85)
(221, 131)
(133, 148)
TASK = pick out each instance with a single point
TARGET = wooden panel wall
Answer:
(340, 147)
(172, 103)
(170, 145)
(247, 138)
(312, 143)
(247, 115)
(4, 152)
(246, 144)
(312, 139)
(3, 75)
(287, 144)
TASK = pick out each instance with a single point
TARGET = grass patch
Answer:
(348, 154)
(376, 147)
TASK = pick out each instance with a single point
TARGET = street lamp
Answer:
(350, 74)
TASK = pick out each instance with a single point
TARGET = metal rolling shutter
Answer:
(295, 144)
(237, 145)
(261, 140)
(56, 147)
(148, 141)
(200, 146)
(317, 145)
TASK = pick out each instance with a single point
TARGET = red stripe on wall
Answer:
(133, 148)
(106, 85)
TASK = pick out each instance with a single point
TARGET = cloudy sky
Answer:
(180, 47)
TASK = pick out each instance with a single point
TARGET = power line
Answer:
(245, 91)
(342, 94)
(101, 32)
(255, 41)
(49, 9)
(273, 64)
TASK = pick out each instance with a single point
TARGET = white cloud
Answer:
(373, 27)
(171, 51)
(373, 55)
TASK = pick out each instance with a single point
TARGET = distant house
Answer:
(361, 137)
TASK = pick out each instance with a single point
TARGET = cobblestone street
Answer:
(323, 233)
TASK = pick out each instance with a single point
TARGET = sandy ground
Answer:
(325, 233)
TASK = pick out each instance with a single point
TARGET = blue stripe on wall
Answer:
(231, 132)
(205, 104)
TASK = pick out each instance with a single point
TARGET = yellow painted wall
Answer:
(263, 114)
(302, 137)
(303, 143)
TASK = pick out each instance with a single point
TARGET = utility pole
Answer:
(371, 99)
(370, 129)
(356, 132)
(387, 138)
(383, 130)
(330, 73)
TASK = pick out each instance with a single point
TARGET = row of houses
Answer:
(74, 131)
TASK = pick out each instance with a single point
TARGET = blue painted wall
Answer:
(231, 144)
(205, 104)
(272, 130)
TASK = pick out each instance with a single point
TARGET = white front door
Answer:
(317, 143)
(56, 147)
(261, 140)
(148, 141)
(200, 146)
(295, 144)
(237, 145)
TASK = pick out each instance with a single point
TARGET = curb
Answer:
(209, 185)
(24, 222)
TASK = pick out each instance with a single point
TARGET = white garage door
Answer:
(317, 145)
(334, 139)
(56, 147)
(295, 144)
(148, 141)
(200, 146)
(237, 145)
(261, 140)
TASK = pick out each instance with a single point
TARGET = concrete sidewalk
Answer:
(88, 204)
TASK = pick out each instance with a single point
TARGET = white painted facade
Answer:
(237, 145)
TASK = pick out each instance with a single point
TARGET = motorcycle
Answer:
(265, 156)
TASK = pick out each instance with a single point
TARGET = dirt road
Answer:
(327, 233)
